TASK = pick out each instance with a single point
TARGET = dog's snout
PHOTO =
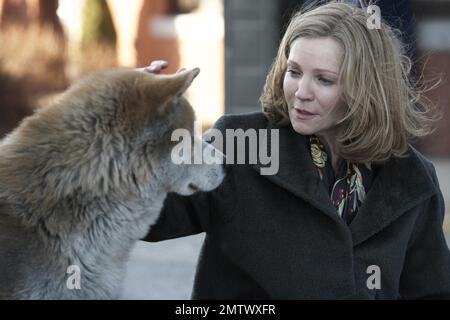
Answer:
(219, 154)
(193, 187)
(210, 149)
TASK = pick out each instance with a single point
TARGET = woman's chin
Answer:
(301, 128)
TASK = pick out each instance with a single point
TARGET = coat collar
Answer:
(400, 185)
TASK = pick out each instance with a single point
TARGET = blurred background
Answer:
(47, 44)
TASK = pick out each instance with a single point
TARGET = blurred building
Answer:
(32, 58)
(254, 29)
(234, 43)
(187, 33)
(433, 27)
(27, 11)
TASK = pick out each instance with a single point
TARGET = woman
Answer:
(354, 211)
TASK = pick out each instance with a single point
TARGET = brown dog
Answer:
(84, 178)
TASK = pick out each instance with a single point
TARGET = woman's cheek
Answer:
(288, 89)
(330, 100)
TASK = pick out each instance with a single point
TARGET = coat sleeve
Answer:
(426, 271)
(186, 215)
(181, 216)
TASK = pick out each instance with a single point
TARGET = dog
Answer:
(85, 177)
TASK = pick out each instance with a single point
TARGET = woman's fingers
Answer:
(156, 66)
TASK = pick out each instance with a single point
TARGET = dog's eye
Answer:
(209, 139)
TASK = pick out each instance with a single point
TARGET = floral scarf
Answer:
(348, 187)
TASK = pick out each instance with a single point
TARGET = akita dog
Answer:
(85, 177)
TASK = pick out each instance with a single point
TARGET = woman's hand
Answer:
(157, 66)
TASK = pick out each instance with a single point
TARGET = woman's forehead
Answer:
(316, 53)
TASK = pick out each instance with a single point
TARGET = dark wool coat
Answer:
(279, 236)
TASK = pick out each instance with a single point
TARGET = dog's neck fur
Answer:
(120, 224)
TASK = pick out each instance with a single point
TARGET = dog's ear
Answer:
(176, 84)
(166, 88)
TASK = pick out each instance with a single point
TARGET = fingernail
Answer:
(157, 62)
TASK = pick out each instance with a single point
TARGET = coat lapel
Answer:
(297, 173)
(400, 185)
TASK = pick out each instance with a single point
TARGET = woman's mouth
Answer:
(303, 114)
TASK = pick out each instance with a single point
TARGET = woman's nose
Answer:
(304, 89)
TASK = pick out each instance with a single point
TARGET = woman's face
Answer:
(311, 87)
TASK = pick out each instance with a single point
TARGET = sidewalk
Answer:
(162, 270)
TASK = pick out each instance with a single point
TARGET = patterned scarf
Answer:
(348, 187)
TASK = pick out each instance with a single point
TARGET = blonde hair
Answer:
(386, 110)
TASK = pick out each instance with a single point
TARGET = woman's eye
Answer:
(293, 72)
(326, 81)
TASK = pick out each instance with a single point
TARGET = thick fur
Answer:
(84, 178)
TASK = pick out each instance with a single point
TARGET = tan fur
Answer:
(84, 178)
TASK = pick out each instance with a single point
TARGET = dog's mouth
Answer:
(193, 187)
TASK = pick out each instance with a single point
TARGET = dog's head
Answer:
(110, 133)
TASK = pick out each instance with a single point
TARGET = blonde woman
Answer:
(354, 211)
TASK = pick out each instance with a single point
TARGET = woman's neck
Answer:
(328, 139)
